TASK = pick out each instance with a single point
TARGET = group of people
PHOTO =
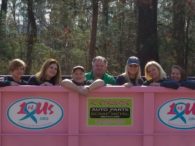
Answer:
(84, 82)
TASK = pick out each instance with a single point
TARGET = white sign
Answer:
(35, 113)
(178, 113)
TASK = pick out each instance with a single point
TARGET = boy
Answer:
(78, 82)
(16, 69)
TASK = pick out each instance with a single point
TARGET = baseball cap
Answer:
(133, 60)
(78, 67)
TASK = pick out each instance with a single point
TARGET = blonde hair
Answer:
(126, 73)
(42, 72)
(15, 64)
(158, 66)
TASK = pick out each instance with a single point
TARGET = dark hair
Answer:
(181, 70)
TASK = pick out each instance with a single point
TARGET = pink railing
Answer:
(109, 116)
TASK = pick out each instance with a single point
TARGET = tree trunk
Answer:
(147, 31)
(3, 13)
(179, 31)
(121, 42)
(187, 41)
(32, 35)
(92, 45)
(105, 5)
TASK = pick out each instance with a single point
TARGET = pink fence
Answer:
(110, 116)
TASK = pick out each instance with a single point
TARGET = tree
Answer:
(179, 22)
(3, 13)
(147, 44)
(92, 45)
(121, 36)
(75, 31)
(104, 26)
(31, 35)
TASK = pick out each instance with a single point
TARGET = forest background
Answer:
(74, 31)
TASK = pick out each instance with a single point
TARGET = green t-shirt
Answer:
(108, 79)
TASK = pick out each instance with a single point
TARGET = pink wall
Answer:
(66, 122)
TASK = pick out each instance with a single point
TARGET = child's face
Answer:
(18, 72)
(78, 76)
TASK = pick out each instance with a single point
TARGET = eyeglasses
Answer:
(133, 65)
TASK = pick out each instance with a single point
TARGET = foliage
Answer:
(169, 54)
(64, 28)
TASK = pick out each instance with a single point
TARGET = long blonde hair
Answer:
(126, 73)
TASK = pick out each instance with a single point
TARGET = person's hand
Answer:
(83, 90)
(128, 84)
(46, 84)
(155, 84)
(2, 79)
(14, 83)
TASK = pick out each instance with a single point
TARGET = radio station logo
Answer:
(35, 113)
(178, 113)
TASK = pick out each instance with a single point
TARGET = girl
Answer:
(48, 75)
(132, 74)
(156, 76)
(178, 74)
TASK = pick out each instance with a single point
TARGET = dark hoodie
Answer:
(6, 81)
(164, 83)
